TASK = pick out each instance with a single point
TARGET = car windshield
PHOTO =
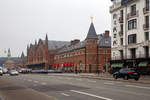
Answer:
(13, 71)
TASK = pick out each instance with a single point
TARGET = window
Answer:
(132, 24)
(146, 51)
(146, 36)
(121, 54)
(133, 10)
(147, 4)
(133, 53)
(114, 16)
(132, 39)
(147, 21)
(121, 28)
(121, 14)
(121, 41)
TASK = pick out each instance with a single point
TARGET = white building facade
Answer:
(130, 32)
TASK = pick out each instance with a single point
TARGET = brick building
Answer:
(90, 55)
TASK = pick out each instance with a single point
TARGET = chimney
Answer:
(106, 33)
(73, 42)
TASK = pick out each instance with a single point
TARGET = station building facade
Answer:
(91, 55)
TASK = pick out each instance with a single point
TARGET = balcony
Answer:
(115, 6)
(130, 57)
(132, 15)
(145, 10)
(120, 19)
(146, 27)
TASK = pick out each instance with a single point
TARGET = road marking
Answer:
(65, 94)
(119, 82)
(79, 79)
(43, 83)
(91, 81)
(108, 83)
(92, 95)
(137, 86)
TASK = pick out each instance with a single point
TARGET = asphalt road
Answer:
(71, 88)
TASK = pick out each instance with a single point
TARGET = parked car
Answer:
(13, 72)
(54, 71)
(5, 70)
(1, 72)
(24, 70)
(127, 73)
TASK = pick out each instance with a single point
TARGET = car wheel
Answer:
(136, 79)
(126, 77)
(115, 76)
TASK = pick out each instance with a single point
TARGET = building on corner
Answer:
(91, 55)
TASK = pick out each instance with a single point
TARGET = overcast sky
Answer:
(24, 21)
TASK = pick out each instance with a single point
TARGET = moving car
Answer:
(13, 72)
(127, 73)
(1, 72)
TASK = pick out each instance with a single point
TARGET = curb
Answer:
(99, 78)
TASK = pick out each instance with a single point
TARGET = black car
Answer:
(127, 73)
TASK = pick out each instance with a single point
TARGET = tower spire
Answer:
(92, 19)
(92, 32)
(9, 53)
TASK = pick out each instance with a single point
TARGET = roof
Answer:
(67, 48)
(91, 33)
(53, 45)
(104, 41)
(4, 59)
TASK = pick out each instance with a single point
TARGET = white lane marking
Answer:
(92, 95)
(79, 79)
(36, 81)
(108, 83)
(141, 87)
(119, 82)
(43, 83)
(124, 91)
(65, 94)
(91, 81)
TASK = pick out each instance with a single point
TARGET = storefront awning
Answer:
(143, 64)
(117, 65)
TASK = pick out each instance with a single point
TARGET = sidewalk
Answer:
(106, 76)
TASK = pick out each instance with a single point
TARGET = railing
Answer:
(115, 6)
(145, 10)
(146, 26)
(133, 14)
(130, 57)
